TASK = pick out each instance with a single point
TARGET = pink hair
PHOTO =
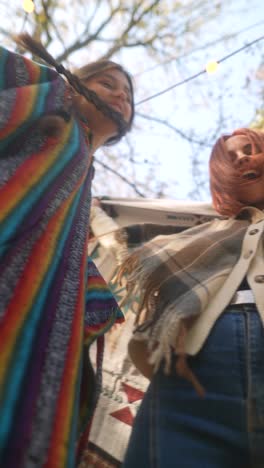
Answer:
(224, 177)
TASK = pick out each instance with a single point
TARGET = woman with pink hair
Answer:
(199, 336)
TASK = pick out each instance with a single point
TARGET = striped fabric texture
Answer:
(53, 303)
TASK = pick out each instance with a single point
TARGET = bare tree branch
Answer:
(176, 130)
(78, 44)
(123, 178)
(123, 42)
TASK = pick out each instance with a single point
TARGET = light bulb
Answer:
(28, 6)
(211, 67)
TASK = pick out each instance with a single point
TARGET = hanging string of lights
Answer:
(199, 48)
(211, 66)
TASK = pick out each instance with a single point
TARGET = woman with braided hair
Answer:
(199, 336)
(53, 303)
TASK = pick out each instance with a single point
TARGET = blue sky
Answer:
(196, 107)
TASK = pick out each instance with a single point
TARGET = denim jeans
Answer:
(175, 428)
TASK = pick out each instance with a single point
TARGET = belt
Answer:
(243, 297)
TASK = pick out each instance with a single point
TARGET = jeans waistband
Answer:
(243, 297)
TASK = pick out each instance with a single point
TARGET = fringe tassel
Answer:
(139, 283)
(182, 367)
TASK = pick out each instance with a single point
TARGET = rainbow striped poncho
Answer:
(53, 303)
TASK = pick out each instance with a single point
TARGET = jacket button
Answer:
(248, 254)
(259, 279)
(253, 231)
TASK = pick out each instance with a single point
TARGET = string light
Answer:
(28, 6)
(199, 48)
(211, 67)
(190, 78)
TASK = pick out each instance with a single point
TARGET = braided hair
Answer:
(76, 81)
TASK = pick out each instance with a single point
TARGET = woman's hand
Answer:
(96, 202)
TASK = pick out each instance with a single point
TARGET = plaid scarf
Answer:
(175, 277)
